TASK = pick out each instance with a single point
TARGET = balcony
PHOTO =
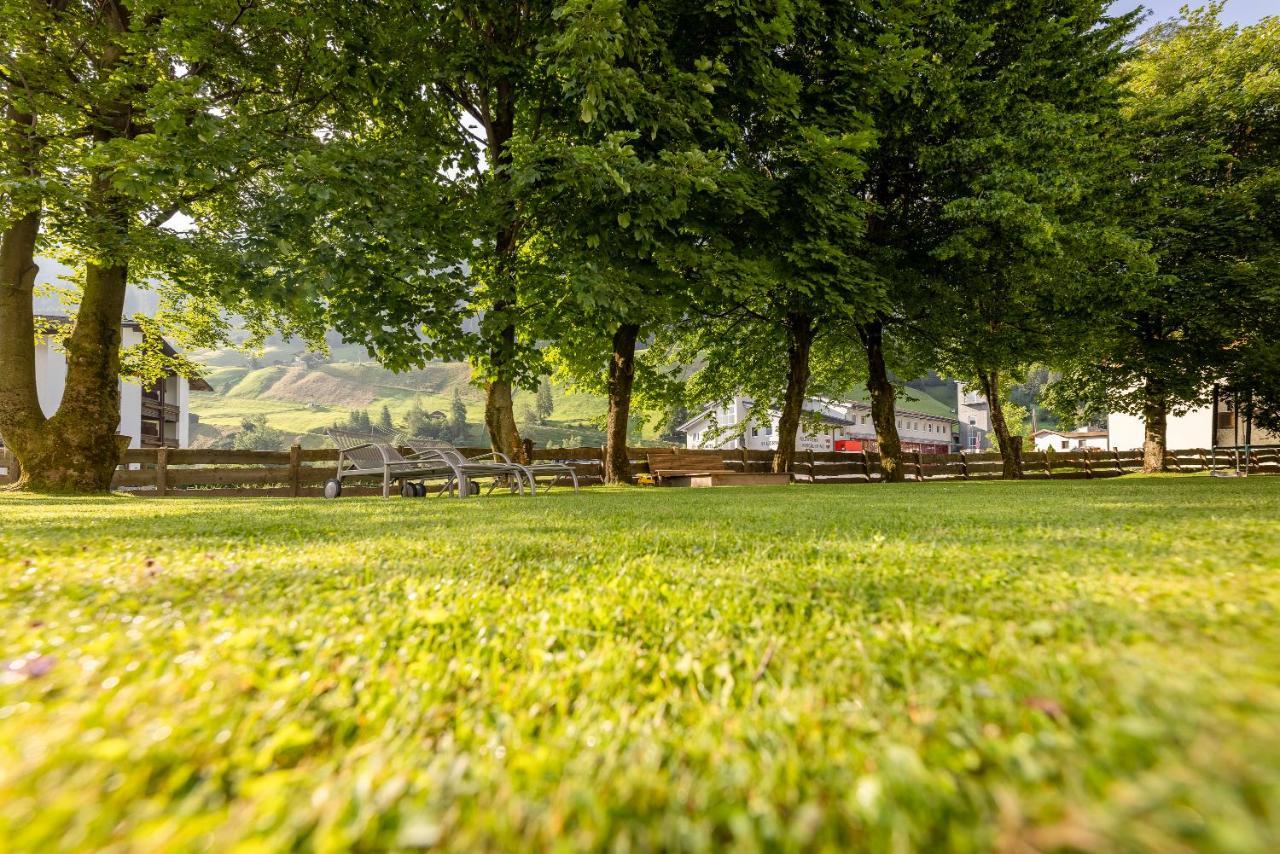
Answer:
(154, 410)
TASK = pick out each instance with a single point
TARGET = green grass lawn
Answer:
(1035, 666)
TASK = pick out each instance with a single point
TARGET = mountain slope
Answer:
(302, 399)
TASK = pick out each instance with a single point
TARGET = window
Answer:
(1226, 420)
(768, 429)
(755, 431)
(1066, 443)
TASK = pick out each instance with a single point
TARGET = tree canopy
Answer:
(670, 202)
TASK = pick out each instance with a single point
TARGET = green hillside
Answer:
(302, 399)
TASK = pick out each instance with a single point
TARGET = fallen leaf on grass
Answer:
(1048, 705)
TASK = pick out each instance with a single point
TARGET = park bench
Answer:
(675, 467)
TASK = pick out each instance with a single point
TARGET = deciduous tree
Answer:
(117, 116)
(1202, 119)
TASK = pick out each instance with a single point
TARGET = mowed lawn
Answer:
(1034, 666)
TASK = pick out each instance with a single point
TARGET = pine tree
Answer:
(545, 404)
(458, 419)
(384, 419)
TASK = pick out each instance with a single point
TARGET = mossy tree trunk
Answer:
(622, 375)
(21, 418)
(800, 334)
(1155, 418)
(883, 413)
(1010, 445)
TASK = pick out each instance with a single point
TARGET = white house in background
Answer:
(150, 417)
(973, 417)
(840, 426)
(1218, 425)
(1071, 440)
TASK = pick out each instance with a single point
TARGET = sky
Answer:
(1237, 11)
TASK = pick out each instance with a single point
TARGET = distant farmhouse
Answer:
(1071, 440)
(153, 417)
(925, 424)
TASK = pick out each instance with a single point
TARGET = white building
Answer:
(1071, 440)
(827, 426)
(1198, 428)
(150, 417)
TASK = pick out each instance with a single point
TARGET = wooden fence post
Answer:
(812, 466)
(1088, 463)
(295, 470)
(919, 465)
(964, 466)
(528, 450)
(162, 471)
(742, 452)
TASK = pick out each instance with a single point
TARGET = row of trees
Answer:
(652, 197)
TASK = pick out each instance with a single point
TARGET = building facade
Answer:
(1224, 423)
(826, 426)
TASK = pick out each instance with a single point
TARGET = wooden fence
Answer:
(298, 472)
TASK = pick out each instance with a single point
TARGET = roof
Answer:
(196, 383)
(910, 402)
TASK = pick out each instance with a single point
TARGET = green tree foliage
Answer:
(384, 419)
(992, 182)
(789, 270)
(256, 435)
(419, 423)
(1202, 119)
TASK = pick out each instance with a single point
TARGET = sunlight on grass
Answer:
(1053, 665)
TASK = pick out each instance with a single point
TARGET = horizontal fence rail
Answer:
(297, 472)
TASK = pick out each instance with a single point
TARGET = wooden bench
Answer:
(704, 468)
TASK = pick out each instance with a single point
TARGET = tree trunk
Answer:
(799, 343)
(1010, 445)
(622, 374)
(1155, 416)
(500, 420)
(20, 415)
(79, 447)
(499, 412)
(883, 414)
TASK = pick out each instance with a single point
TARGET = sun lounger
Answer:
(366, 456)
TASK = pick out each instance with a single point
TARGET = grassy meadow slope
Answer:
(302, 400)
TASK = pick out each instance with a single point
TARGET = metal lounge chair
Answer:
(365, 456)
(554, 470)
(530, 472)
(494, 466)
